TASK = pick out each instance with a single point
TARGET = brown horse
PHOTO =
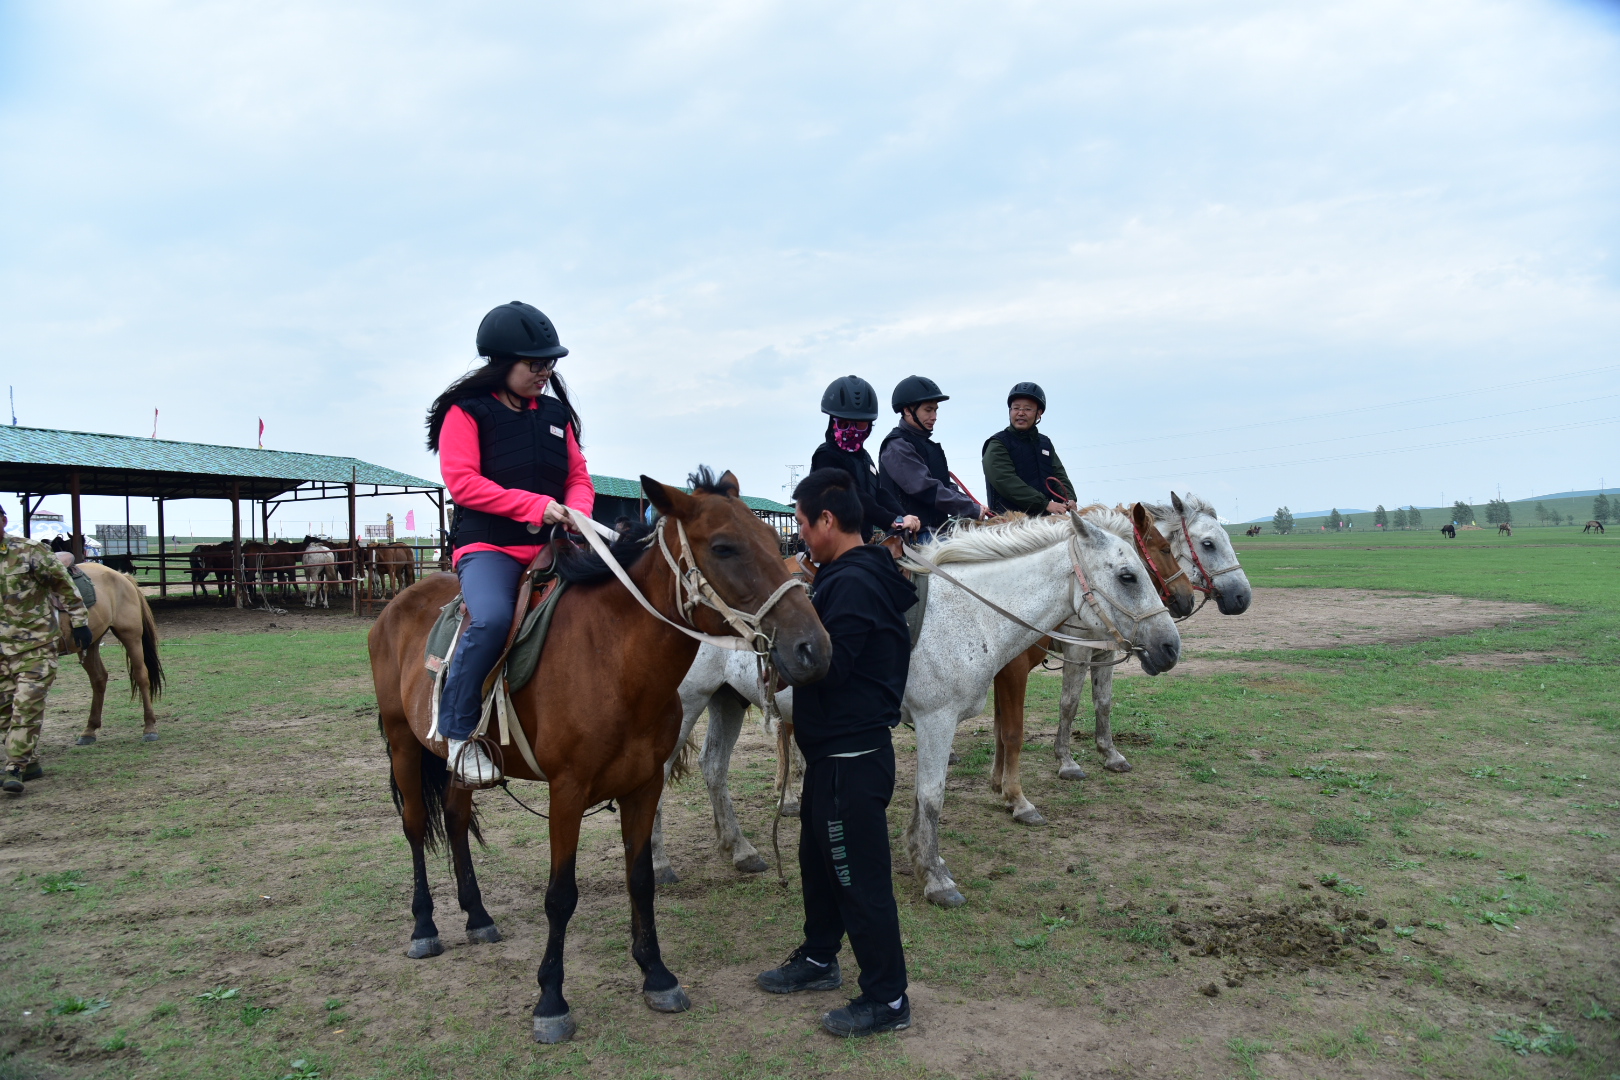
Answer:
(1449, 531)
(1593, 524)
(395, 564)
(1504, 527)
(1252, 530)
(1012, 681)
(601, 713)
(121, 608)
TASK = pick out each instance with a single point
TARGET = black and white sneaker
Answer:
(862, 1017)
(798, 973)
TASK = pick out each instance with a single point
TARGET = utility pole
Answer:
(793, 478)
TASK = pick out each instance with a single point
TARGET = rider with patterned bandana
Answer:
(1020, 464)
(30, 576)
(511, 461)
(911, 466)
(851, 405)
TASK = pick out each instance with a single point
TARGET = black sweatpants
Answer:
(844, 866)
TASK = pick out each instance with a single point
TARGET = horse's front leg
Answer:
(1102, 697)
(553, 1022)
(97, 673)
(1011, 688)
(934, 737)
(1076, 661)
(660, 989)
(726, 714)
(458, 811)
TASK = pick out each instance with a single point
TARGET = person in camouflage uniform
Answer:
(29, 576)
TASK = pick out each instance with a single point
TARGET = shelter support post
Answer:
(444, 541)
(264, 519)
(236, 538)
(163, 565)
(28, 513)
(77, 540)
(354, 548)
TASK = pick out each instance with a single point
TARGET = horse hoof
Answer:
(150, 736)
(790, 810)
(751, 865)
(424, 947)
(946, 898)
(666, 876)
(1031, 816)
(672, 1000)
(555, 1029)
(484, 935)
(1117, 766)
(85, 740)
(1071, 772)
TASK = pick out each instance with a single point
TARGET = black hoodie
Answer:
(862, 599)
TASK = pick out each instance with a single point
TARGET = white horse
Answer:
(1204, 552)
(1026, 566)
(726, 682)
(320, 565)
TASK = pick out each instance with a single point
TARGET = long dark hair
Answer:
(491, 379)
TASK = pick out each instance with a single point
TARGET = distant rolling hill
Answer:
(1566, 504)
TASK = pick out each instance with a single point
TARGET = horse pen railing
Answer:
(175, 572)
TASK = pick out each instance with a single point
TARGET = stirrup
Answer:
(492, 754)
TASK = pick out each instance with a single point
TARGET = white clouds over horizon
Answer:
(1176, 216)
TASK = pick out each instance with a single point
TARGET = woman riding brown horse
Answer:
(601, 713)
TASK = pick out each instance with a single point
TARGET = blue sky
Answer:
(1218, 234)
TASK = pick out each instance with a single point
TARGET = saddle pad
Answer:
(524, 656)
(86, 587)
(446, 628)
(914, 614)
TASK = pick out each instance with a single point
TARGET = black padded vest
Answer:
(526, 451)
(1032, 460)
(931, 516)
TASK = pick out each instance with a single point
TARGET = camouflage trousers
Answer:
(24, 682)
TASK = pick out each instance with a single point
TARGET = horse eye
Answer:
(1210, 544)
(724, 551)
(1127, 577)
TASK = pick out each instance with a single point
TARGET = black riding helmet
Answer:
(519, 329)
(850, 398)
(914, 390)
(1030, 390)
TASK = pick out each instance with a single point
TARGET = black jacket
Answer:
(862, 599)
(524, 449)
(879, 509)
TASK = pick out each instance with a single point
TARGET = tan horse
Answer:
(121, 608)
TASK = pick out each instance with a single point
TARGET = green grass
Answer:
(254, 850)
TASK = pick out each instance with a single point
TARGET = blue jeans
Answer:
(489, 588)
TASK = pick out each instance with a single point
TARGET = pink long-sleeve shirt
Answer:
(460, 463)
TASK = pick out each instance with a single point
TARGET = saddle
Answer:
(86, 587)
(525, 641)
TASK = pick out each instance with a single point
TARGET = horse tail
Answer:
(149, 648)
(435, 781)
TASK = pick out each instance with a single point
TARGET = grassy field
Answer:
(233, 901)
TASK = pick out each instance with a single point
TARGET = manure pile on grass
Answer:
(1290, 937)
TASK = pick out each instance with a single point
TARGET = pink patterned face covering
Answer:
(848, 436)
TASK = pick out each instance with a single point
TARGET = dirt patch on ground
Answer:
(180, 618)
(1333, 618)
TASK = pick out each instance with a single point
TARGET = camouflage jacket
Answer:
(29, 577)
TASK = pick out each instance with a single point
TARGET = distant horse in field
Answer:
(600, 716)
(1252, 530)
(1449, 531)
(1590, 525)
(1504, 527)
(121, 608)
(394, 564)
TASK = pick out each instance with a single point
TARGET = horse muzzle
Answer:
(803, 658)
(1159, 657)
(1234, 601)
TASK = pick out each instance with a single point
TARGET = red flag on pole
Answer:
(261, 433)
(410, 521)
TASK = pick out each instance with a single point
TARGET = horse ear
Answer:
(666, 500)
(727, 484)
(1080, 526)
(1175, 501)
(1140, 518)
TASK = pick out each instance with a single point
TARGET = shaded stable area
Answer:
(36, 462)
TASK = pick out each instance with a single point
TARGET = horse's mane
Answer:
(1195, 505)
(1014, 534)
(582, 566)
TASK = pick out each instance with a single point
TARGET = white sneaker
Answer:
(470, 763)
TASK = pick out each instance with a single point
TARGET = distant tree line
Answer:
(1497, 512)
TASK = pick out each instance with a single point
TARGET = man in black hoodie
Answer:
(842, 725)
